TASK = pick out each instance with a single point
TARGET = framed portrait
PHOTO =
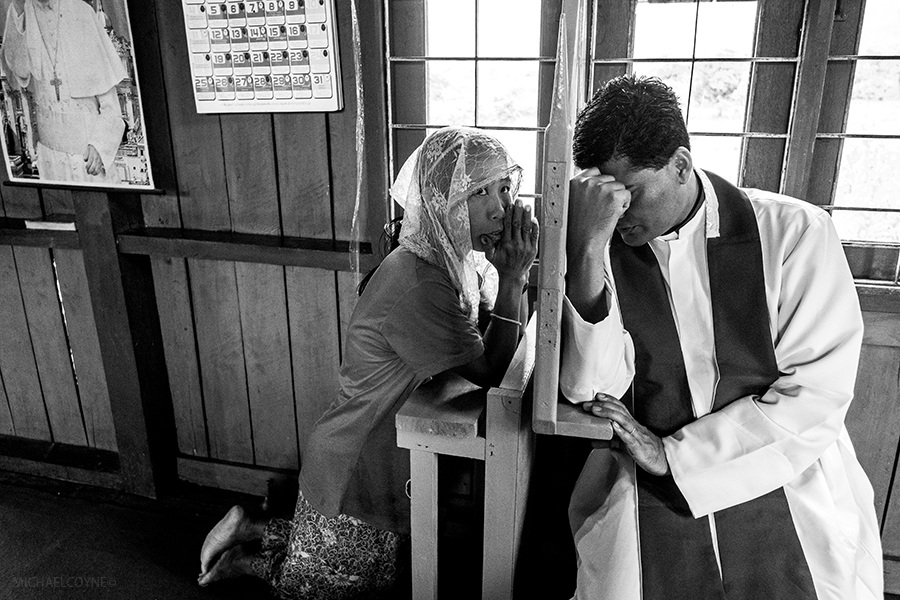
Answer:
(69, 95)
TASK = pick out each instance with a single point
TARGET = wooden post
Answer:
(507, 470)
(808, 91)
(424, 524)
(554, 210)
(551, 416)
(121, 290)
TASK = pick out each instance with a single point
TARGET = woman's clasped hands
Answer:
(514, 254)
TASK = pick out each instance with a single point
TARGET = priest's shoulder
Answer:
(783, 211)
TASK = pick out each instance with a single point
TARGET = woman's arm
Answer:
(513, 259)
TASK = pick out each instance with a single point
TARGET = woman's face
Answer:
(487, 207)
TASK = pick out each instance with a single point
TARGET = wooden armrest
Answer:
(571, 420)
(451, 406)
(521, 366)
(448, 405)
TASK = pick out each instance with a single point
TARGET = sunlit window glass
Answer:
(480, 69)
(679, 42)
(451, 92)
(868, 176)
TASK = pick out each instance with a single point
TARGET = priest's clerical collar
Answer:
(673, 233)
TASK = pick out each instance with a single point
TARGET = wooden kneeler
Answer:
(444, 416)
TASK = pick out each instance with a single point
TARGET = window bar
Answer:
(883, 209)
(871, 136)
(419, 126)
(851, 57)
(540, 130)
(592, 50)
(390, 106)
(687, 115)
(477, 5)
(749, 59)
(471, 58)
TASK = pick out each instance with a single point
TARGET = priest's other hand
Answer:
(93, 164)
(645, 447)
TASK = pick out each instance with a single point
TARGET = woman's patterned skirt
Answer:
(313, 557)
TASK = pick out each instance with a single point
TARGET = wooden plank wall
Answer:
(874, 426)
(52, 381)
(253, 350)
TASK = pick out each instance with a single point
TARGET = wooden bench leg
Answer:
(424, 524)
(506, 470)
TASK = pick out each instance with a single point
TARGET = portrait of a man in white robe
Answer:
(59, 51)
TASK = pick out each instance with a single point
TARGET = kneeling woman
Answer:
(416, 317)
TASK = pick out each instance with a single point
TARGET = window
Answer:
(707, 64)
(468, 62)
(797, 97)
(866, 203)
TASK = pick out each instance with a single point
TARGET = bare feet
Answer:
(235, 528)
(234, 562)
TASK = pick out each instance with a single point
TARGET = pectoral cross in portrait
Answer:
(56, 82)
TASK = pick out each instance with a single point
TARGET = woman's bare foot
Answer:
(234, 562)
(235, 528)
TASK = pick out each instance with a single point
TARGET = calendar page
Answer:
(263, 56)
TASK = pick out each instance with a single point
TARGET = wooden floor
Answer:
(65, 541)
(61, 541)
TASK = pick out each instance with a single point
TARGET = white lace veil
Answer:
(433, 186)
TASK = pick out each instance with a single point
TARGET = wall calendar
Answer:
(263, 55)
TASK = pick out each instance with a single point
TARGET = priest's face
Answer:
(660, 198)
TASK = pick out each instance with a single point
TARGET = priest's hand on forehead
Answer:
(596, 202)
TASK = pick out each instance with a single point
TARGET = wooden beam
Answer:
(875, 262)
(808, 90)
(225, 476)
(879, 298)
(891, 576)
(79, 464)
(771, 93)
(839, 76)
(121, 290)
(40, 238)
(251, 248)
(65, 473)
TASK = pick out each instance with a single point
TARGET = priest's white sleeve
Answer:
(595, 357)
(758, 444)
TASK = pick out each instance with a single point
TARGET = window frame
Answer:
(804, 62)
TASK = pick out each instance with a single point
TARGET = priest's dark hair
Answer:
(631, 117)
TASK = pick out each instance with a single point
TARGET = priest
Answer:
(59, 51)
(719, 330)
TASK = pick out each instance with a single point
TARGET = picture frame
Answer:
(70, 102)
